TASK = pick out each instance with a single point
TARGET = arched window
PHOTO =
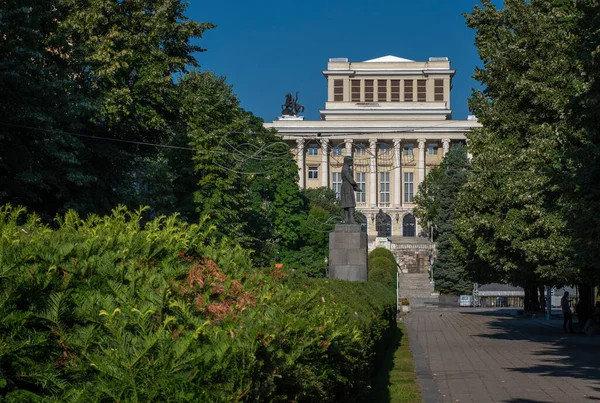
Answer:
(408, 225)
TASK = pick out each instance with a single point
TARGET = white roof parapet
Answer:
(438, 59)
(389, 59)
(338, 59)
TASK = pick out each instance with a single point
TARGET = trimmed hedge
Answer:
(382, 267)
(103, 310)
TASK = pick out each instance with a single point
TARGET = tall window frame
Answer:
(369, 90)
(336, 183)
(312, 150)
(432, 149)
(408, 90)
(409, 189)
(337, 150)
(361, 181)
(395, 91)
(438, 90)
(382, 90)
(384, 187)
(355, 90)
(421, 90)
(338, 90)
(384, 150)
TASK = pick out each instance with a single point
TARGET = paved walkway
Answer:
(489, 356)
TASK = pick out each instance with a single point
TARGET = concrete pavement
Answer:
(477, 355)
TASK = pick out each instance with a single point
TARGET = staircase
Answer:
(416, 287)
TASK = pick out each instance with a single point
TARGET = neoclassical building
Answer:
(394, 117)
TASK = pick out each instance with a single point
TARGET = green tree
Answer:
(436, 202)
(512, 214)
(310, 243)
(583, 184)
(104, 69)
(40, 166)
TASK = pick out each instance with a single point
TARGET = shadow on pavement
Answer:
(564, 355)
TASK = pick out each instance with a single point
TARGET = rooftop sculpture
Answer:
(291, 107)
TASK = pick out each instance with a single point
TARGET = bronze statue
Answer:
(349, 186)
(291, 105)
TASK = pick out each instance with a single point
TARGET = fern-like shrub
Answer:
(105, 310)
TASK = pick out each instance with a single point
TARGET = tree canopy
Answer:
(515, 215)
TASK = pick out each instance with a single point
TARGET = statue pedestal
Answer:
(348, 253)
(290, 117)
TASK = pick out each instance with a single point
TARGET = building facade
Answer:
(394, 117)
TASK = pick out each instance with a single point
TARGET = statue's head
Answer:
(288, 96)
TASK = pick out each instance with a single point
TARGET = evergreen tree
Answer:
(436, 201)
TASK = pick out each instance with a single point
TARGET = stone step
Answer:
(423, 301)
(414, 285)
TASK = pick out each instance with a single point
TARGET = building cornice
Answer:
(443, 129)
(380, 72)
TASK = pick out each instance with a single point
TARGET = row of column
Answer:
(420, 177)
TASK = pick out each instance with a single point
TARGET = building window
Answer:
(408, 187)
(421, 90)
(395, 91)
(338, 90)
(408, 90)
(360, 150)
(369, 90)
(336, 151)
(432, 149)
(384, 187)
(409, 150)
(382, 90)
(355, 90)
(313, 173)
(313, 150)
(361, 181)
(408, 225)
(438, 90)
(384, 150)
(336, 183)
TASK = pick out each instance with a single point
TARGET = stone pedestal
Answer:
(348, 253)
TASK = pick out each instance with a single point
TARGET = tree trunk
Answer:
(542, 299)
(531, 302)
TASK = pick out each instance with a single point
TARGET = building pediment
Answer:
(388, 59)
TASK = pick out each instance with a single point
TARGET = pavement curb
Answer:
(429, 388)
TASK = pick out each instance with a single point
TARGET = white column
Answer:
(420, 164)
(373, 173)
(397, 172)
(325, 162)
(446, 146)
(300, 162)
(348, 144)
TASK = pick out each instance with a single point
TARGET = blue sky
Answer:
(268, 48)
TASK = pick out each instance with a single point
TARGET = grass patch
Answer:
(395, 377)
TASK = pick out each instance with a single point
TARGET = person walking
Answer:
(566, 310)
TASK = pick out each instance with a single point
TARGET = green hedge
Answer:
(102, 310)
(382, 252)
(382, 267)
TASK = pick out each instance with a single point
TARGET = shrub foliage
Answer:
(382, 266)
(101, 309)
